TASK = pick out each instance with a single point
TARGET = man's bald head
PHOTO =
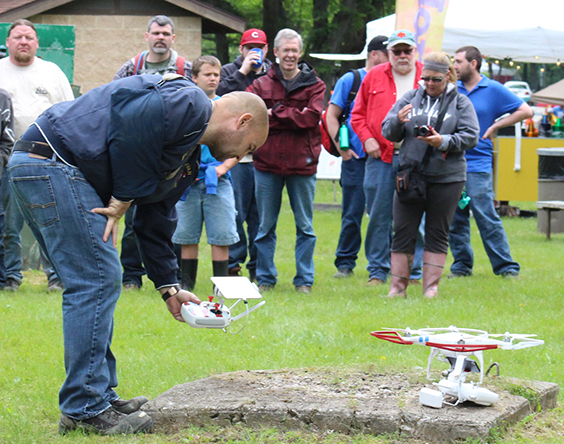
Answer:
(244, 102)
(238, 126)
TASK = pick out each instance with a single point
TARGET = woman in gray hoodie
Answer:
(413, 120)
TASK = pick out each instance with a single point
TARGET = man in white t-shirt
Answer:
(34, 85)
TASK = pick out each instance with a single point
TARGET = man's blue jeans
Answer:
(353, 209)
(301, 191)
(243, 176)
(56, 202)
(479, 186)
(379, 189)
(12, 242)
(130, 257)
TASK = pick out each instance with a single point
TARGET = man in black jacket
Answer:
(6, 143)
(237, 76)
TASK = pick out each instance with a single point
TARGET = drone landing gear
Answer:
(455, 387)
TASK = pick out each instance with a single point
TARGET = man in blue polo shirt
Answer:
(491, 101)
(354, 160)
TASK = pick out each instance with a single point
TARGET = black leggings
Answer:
(439, 208)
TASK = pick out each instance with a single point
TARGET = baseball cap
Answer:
(401, 36)
(253, 36)
(378, 43)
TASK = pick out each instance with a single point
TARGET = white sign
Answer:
(329, 167)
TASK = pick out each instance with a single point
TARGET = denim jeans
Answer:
(12, 243)
(352, 212)
(479, 186)
(379, 189)
(56, 201)
(301, 191)
(130, 257)
(13, 226)
(243, 176)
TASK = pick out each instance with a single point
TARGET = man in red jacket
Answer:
(382, 87)
(294, 96)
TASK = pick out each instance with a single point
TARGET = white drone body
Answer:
(216, 314)
(454, 345)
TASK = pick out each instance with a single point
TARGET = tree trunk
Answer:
(222, 48)
(274, 19)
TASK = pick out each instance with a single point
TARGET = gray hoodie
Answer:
(460, 131)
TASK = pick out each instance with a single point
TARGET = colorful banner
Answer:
(426, 19)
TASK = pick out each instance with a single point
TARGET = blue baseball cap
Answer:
(401, 36)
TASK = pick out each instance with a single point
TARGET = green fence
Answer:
(56, 44)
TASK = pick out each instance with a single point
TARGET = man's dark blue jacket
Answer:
(135, 138)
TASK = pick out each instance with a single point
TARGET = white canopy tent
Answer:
(519, 30)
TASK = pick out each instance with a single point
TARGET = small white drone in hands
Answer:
(216, 314)
(454, 345)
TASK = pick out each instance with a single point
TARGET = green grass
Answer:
(330, 327)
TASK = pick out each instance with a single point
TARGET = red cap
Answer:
(253, 36)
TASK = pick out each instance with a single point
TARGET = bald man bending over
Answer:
(76, 171)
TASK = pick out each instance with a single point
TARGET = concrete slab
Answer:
(345, 401)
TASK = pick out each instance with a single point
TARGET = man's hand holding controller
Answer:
(174, 297)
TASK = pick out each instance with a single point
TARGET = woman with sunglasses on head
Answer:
(416, 119)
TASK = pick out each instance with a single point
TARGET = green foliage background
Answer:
(336, 26)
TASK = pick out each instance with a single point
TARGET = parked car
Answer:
(520, 89)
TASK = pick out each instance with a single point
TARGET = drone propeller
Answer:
(407, 331)
(512, 335)
(453, 329)
(420, 330)
(515, 341)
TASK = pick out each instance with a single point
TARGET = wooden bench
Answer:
(549, 206)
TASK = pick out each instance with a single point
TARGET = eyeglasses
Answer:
(432, 79)
(397, 52)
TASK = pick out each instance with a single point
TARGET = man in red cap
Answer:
(237, 76)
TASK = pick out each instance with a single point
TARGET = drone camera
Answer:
(469, 364)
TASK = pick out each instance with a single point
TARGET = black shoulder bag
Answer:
(411, 184)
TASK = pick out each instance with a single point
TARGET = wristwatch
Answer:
(172, 291)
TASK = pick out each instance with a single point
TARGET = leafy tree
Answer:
(327, 26)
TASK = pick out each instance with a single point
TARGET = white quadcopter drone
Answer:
(454, 345)
(216, 314)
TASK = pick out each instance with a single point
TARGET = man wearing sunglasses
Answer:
(382, 87)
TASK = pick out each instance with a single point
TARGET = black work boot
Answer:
(189, 273)
(109, 422)
(128, 406)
